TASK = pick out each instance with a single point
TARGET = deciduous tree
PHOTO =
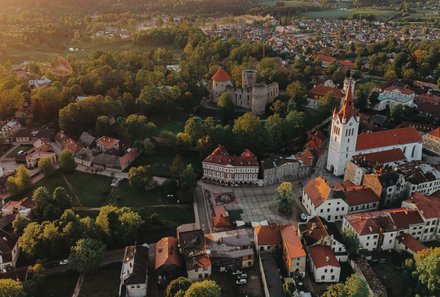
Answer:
(86, 255)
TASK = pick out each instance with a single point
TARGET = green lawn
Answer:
(175, 124)
(102, 283)
(161, 161)
(15, 151)
(59, 285)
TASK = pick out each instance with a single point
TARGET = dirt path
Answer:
(71, 189)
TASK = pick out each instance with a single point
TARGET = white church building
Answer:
(345, 142)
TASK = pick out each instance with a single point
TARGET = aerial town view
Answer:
(229, 148)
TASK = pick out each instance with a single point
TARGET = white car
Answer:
(244, 275)
(237, 272)
(241, 281)
(64, 262)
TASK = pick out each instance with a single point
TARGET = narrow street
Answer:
(202, 210)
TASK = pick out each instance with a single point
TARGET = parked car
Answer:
(237, 272)
(64, 262)
(241, 281)
(243, 275)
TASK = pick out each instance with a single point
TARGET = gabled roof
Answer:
(410, 242)
(107, 141)
(198, 261)
(405, 91)
(221, 218)
(292, 242)
(359, 196)
(20, 204)
(382, 157)
(313, 230)
(268, 235)
(323, 256)
(138, 255)
(435, 133)
(318, 190)
(221, 76)
(387, 138)
(370, 222)
(428, 206)
(403, 217)
(167, 252)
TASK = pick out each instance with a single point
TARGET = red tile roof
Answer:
(221, 156)
(321, 90)
(431, 98)
(370, 222)
(435, 133)
(318, 190)
(404, 91)
(404, 217)
(221, 75)
(323, 256)
(268, 235)
(23, 203)
(292, 242)
(382, 157)
(411, 243)
(128, 157)
(429, 206)
(347, 64)
(306, 157)
(167, 253)
(327, 59)
(107, 141)
(221, 218)
(360, 196)
(387, 138)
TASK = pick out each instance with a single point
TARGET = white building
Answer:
(279, 168)
(346, 143)
(394, 95)
(253, 96)
(324, 265)
(221, 167)
(134, 272)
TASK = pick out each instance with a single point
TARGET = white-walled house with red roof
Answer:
(346, 143)
(394, 95)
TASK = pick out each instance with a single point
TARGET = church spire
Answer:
(347, 110)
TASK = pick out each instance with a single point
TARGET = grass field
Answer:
(15, 151)
(59, 285)
(337, 13)
(174, 124)
(102, 283)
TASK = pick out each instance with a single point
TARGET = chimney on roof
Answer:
(327, 259)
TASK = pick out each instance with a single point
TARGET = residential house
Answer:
(22, 206)
(221, 167)
(326, 60)
(87, 140)
(10, 128)
(294, 255)
(324, 265)
(389, 186)
(407, 221)
(27, 135)
(221, 221)
(9, 249)
(42, 145)
(318, 231)
(420, 177)
(134, 272)
(280, 168)
(33, 158)
(319, 200)
(267, 238)
(362, 164)
(107, 144)
(192, 245)
(168, 262)
(375, 230)
(230, 250)
(429, 209)
(109, 161)
(407, 243)
(431, 141)
(66, 143)
(358, 198)
(84, 157)
(394, 95)
(318, 93)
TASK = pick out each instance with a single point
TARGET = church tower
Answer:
(343, 135)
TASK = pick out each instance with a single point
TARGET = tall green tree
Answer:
(298, 92)
(354, 286)
(11, 288)
(427, 271)
(226, 108)
(67, 162)
(180, 284)
(351, 242)
(284, 198)
(86, 255)
(46, 166)
(140, 177)
(206, 288)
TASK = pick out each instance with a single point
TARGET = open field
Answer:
(289, 3)
(59, 285)
(102, 283)
(19, 52)
(15, 151)
(337, 13)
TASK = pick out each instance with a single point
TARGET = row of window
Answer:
(231, 170)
